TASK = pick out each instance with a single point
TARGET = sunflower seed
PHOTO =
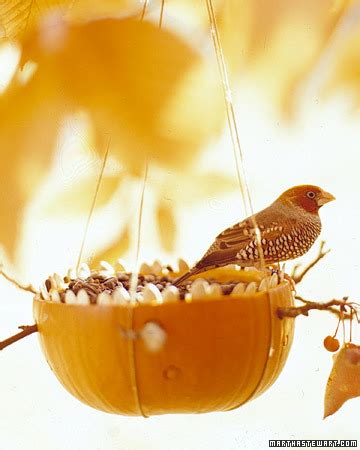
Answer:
(107, 267)
(83, 297)
(70, 297)
(71, 274)
(104, 298)
(44, 292)
(251, 288)
(264, 284)
(156, 268)
(215, 290)
(55, 296)
(59, 281)
(273, 280)
(171, 294)
(121, 295)
(145, 269)
(238, 289)
(183, 265)
(151, 293)
(84, 271)
(52, 282)
(199, 288)
(120, 265)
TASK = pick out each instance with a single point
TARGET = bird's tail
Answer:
(187, 275)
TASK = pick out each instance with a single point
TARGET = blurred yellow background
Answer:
(71, 85)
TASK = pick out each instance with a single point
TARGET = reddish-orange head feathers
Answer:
(310, 198)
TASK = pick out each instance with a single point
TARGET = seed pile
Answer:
(97, 284)
(155, 286)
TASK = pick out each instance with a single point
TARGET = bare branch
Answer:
(26, 331)
(25, 287)
(338, 307)
(297, 277)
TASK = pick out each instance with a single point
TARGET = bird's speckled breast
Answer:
(289, 242)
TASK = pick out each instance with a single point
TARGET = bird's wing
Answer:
(235, 235)
(216, 258)
(228, 243)
(242, 233)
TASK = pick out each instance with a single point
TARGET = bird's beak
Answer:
(326, 197)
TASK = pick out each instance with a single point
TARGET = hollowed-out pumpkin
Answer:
(219, 352)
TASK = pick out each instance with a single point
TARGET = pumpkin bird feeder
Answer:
(211, 352)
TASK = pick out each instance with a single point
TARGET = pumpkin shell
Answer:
(219, 352)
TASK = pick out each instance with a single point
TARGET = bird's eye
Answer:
(310, 194)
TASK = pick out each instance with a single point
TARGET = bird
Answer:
(288, 228)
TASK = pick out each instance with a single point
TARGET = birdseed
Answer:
(103, 288)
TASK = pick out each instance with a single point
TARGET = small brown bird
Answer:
(288, 229)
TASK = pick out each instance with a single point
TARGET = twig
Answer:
(26, 331)
(297, 277)
(331, 309)
(310, 305)
(25, 287)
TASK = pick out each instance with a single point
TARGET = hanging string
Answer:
(135, 272)
(134, 279)
(143, 12)
(161, 13)
(132, 290)
(231, 119)
(92, 206)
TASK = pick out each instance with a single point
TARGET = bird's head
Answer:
(310, 198)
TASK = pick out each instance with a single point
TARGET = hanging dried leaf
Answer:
(193, 111)
(346, 74)
(344, 381)
(91, 9)
(115, 250)
(292, 33)
(127, 94)
(256, 33)
(18, 16)
(166, 221)
(27, 139)
(126, 98)
(275, 42)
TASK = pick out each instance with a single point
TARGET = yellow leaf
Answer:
(256, 33)
(115, 250)
(346, 74)
(124, 73)
(166, 225)
(18, 16)
(91, 9)
(188, 188)
(26, 145)
(126, 98)
(197, 108)
(77, 197)
(292, 33)
(344, 381)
